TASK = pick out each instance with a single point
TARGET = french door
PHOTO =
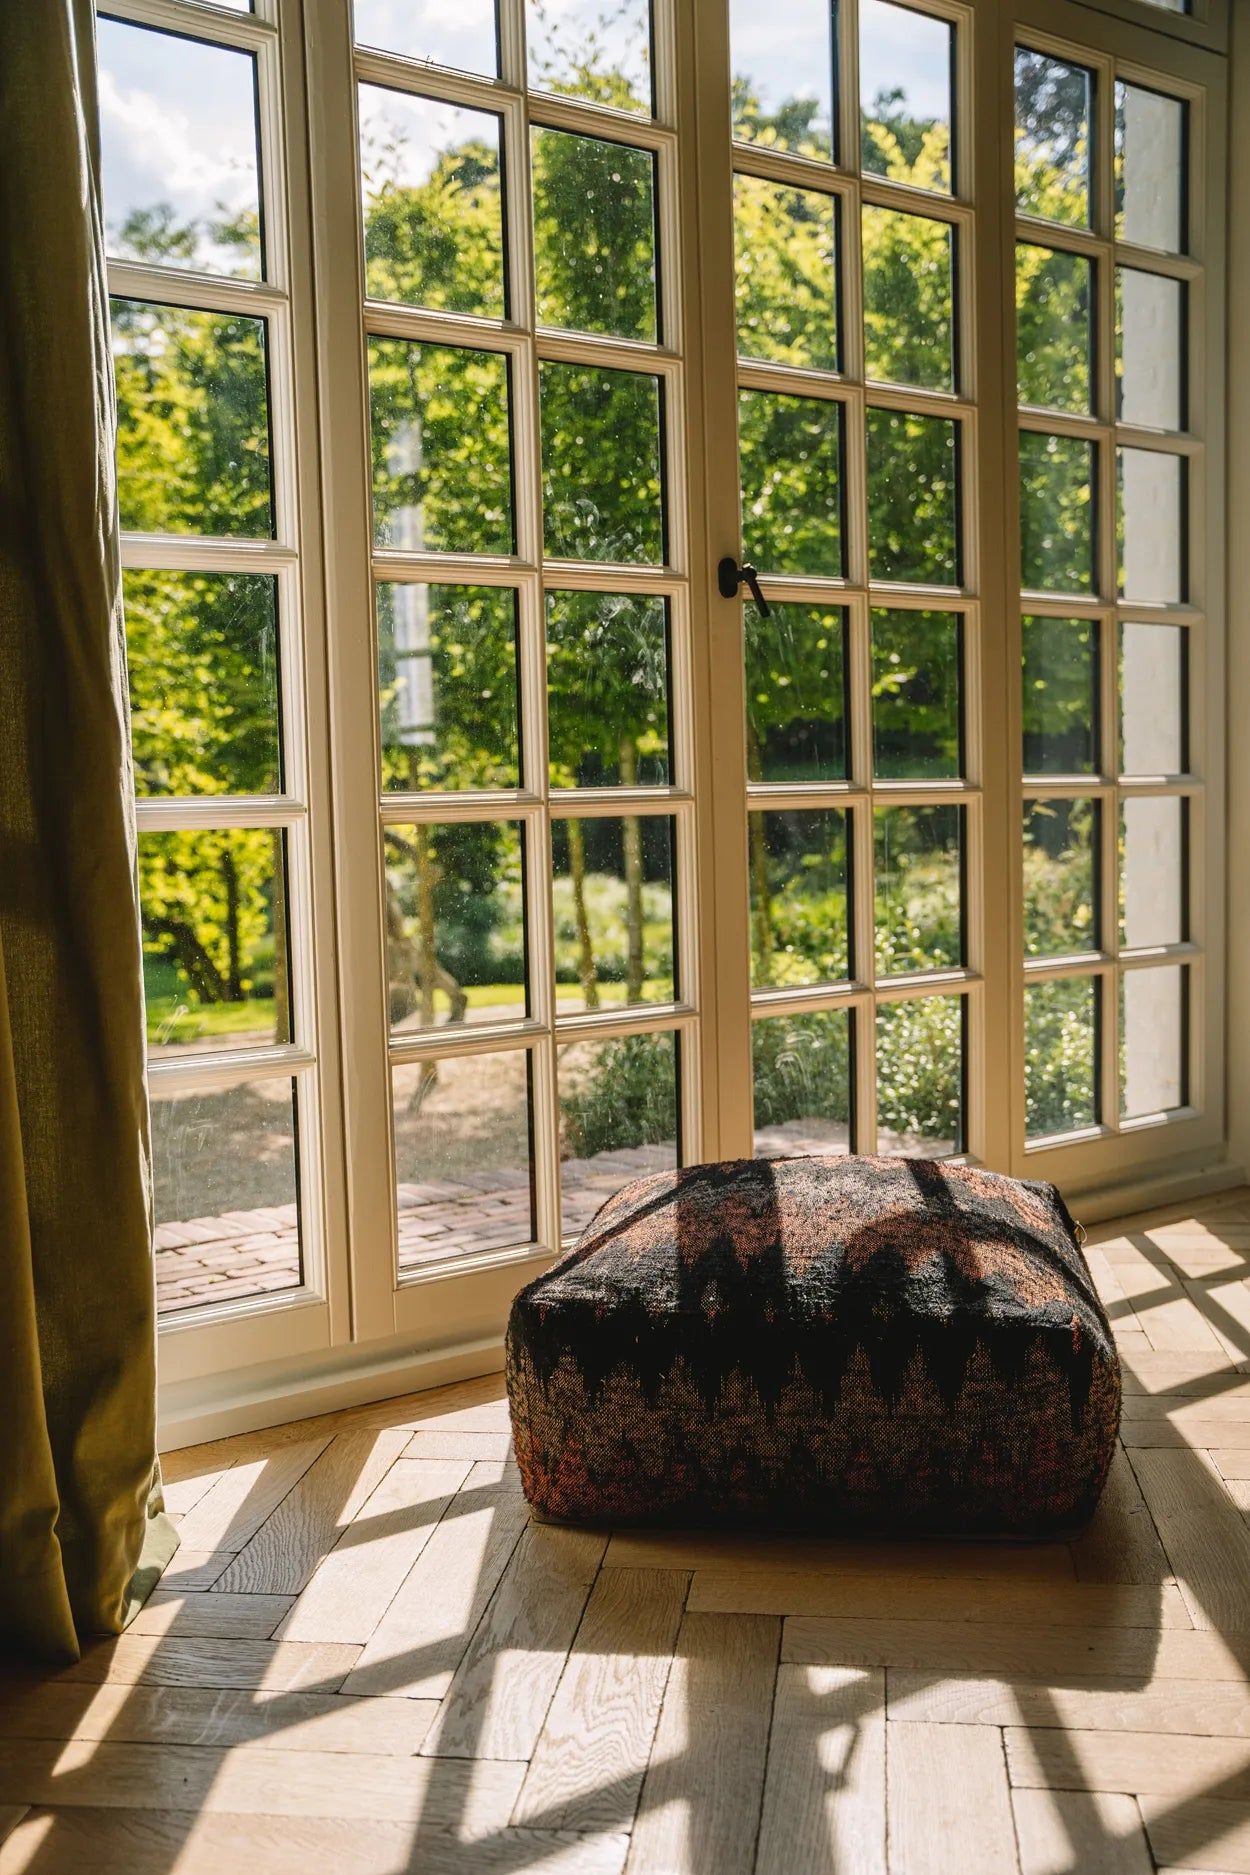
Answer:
(566, 866)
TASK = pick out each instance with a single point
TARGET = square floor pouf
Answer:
(826, 1343)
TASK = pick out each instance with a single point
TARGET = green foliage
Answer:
(628, 1098)
(801, 1069)
(1059, 1056)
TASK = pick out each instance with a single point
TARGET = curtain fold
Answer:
(83, 1532)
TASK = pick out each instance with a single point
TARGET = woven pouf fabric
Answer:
(832, 1343)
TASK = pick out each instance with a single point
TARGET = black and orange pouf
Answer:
(859, 1344)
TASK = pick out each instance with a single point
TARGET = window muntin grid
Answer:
(1127, 974)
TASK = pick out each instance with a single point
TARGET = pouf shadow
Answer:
(839, 1344)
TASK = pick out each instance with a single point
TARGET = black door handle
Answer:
(729, 576)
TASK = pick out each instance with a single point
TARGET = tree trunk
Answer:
(581, 918)
(281, 965)
(631, 836)
(234, 973)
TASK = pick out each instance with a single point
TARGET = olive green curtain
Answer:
(83, 1532)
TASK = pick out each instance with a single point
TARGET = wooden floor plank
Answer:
(948, 1801)
(1197, 1708)
(452, 1444)
(195, 1568)
(587, 1767)
(917, 1598)
(1061, 1831)
(824, 1792)
(1198, 1374)
(11, 1815)
(287, 1548)
(210, 1616)
(1005, 1652)
(353, 1587)
(500, 1693)
(1121, 1544)
(700, 1805)
(171, 1842)
(164, 1660)
(1146, 1763)
(710, 1549)
(447, 1794)
(425, 1633)
(238, 1504)
(1232, 1466)
(204, 1715)
(1204, 1535)
(1205, 1833)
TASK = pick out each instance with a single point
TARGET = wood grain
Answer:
(500, 1693)
(1213, 1709)
(689, 1550)
(173, 1842)
(824, 1792)
(241, 1500)
(1074, 1829)
(917, 1598)
(211, 1616)
(1121, 1543)
(1149, 1764)
(425, 1633)
(287, 1548)
(203, 1715)
(948, 1801)
(164, 1660)
(1205, 1833)
(700, 1806)
(1015, 1653)
(587, 1767)
(1204, 1534)
(353, 1587)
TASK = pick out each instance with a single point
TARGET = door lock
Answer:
(729, 576)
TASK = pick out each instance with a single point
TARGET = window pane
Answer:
(1149, 169)
(1054, 329)
(1152, 872)
(1150, 349)
(607, 690)
(1152, 1040)
(913, 516)
(456, 935)
(909, 299)
(796, 693)
(202, 652)
(583, 49)
(785, 277)
(1150, 516)
(433, 212)
(1060, 877)
(790, 451)
(918, 912)
(442, 463)
(783, 74)
(602, 464)
(178, 151)
(594, 235)
(618, 1118)
(915, 694)
(1056, 513)
(1153, 686)
(612, 895)
(799, 898)
(464, 36)
(464, 1166)
(1060, 1056)
(1060, 696)
(447, 670)
(215, 956)
(192, 421)
(905, 62)
(225, 1193)
(801, 1073)
(1054, 107)
(920, 1077)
